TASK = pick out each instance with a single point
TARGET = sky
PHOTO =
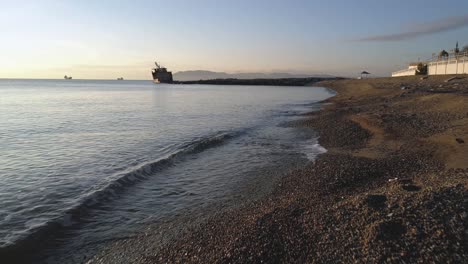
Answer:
(108, 39)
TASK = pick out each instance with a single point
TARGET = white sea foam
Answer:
(312, 149)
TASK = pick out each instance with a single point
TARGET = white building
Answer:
(445, 63)
(412, 70)
(454, 64)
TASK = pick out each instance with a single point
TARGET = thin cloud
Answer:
(419, 30)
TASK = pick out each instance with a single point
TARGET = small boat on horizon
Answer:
(67, 77)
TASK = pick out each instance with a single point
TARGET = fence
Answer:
(454, 65)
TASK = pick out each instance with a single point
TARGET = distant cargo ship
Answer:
(67, 77)
(161, 75)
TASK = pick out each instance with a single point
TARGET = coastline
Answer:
(392, 187)
(262, 82)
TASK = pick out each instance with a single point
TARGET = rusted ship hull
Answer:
(165, 77)
(161, 75)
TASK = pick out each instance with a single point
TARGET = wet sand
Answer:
(391, 188)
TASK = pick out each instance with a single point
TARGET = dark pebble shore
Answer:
(392, 188)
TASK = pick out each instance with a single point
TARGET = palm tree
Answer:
(443, 54)
(464, 49)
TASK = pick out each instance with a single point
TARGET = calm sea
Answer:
(84, 163)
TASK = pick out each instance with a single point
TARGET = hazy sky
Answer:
(109, 39)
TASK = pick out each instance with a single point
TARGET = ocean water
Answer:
(84, 163)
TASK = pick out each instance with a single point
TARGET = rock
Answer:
(460, 141)
(376, 201)
(405, 181)
(386, 230)
(411, 188)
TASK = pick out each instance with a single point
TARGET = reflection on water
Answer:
(95, 160)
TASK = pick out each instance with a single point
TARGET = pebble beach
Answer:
(392, 187)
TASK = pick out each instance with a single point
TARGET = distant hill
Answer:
(209, 75)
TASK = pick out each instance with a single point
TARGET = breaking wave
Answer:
(112, 190)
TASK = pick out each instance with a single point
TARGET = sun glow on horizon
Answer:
(106, 40)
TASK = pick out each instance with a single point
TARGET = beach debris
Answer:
(392, 180)
(460, 140)
(423, 78)
(404, 88)
(376, 200)
(453, 78)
